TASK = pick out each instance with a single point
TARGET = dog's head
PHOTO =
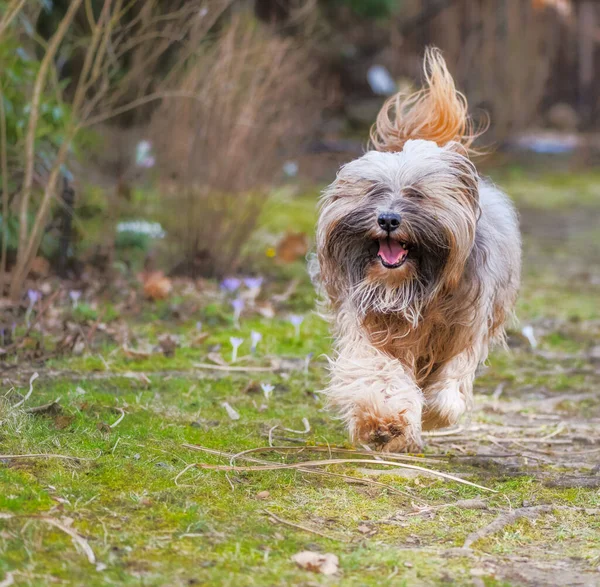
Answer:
(398, 224)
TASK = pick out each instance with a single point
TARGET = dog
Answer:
(419, 261)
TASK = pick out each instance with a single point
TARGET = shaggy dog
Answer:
(419, 258)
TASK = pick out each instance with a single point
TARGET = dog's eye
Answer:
(412, 194)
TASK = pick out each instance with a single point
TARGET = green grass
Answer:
(210, 528)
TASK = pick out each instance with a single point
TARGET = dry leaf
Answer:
(252, 387)
(326, 564)
(40, 267)
(217, 359)
(168, 344)
(135, 353)
(266, 310)
(156, 285)
(199, 339)
(293, 246)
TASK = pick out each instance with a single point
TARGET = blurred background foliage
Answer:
(189, 113)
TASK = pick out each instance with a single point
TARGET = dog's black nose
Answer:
(389, 221)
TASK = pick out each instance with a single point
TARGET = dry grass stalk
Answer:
(254, 105)
(348, 478)
(330, 450)
(324, 462)
(77, 538)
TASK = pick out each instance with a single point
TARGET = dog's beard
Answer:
(388, 273)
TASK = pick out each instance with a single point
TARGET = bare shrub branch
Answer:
(254, 105)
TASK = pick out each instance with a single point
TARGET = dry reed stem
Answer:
(333, 449)
(350, 478)
(324, 462)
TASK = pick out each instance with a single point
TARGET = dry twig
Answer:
(324, 462)
(299, 526)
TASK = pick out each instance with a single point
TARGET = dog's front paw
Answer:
(399, 432)
(446, 402)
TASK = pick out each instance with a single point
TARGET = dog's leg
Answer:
(378, 399)
(449, 392)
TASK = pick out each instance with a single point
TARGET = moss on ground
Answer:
(212, 528)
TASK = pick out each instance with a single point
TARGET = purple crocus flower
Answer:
(230, 284)
(235, 345)
(253, 282)
(75, 295)
(296, 321)
(238, 306)
(255, 338)
(267, 389)
(33, 296)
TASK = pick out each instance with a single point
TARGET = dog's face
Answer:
(396, 227)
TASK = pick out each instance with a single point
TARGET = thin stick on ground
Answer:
(233, 368)
(31, 380)
(43, 456)
(77, 539)
(300, 527)
(350, 478)
(334, 449)
(324, 462)
(119, 419)
(506, 519)
(9, 579)
(452, 432)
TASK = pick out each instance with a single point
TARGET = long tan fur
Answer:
(437, 113)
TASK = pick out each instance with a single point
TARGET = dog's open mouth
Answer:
(392, 253)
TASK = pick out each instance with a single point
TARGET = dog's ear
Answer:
(437, 113)
(465, 211)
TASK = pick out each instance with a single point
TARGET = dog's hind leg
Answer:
(377, 397)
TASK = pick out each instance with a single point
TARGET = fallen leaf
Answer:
(292, 247)
(200, 338)
(266, 310)
(135, 353)
(216, 358)
(40, 267)
(156, 285)
(252, 387)
(62, 422)
(168, 344)
(326, 564)
(103, 427)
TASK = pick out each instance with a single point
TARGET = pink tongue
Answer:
(391, 251)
